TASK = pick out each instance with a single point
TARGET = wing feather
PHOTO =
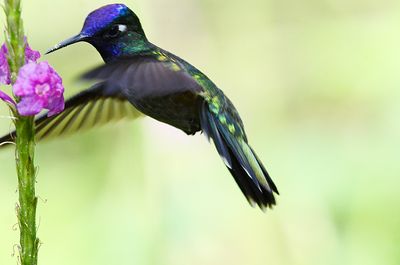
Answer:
(91, 107)
(84, 114)
(144, 76)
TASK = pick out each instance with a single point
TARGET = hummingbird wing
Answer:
(158, 84)
(97, 105)
(91, 107)
(145, 76)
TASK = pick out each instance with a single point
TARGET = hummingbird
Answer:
(138, 78)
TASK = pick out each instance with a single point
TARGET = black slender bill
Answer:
(72, 40)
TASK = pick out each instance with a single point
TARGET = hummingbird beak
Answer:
(72, 40)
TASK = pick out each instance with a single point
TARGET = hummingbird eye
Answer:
(115, 31)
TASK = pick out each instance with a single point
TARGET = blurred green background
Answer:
(317, 84)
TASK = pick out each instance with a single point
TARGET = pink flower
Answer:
(30, 56)
(39, 87)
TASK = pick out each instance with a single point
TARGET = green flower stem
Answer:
(25, 141)
(26, 182)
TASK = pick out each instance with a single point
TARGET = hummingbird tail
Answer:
(240, 159)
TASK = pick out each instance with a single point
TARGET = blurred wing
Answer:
(145, 76)
(91, 107)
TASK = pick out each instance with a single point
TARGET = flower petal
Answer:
(55, 106)
(39, 87)
(4, 68)
(31, 55)
(29, 106)
(6, 98)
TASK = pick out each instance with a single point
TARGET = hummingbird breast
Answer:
(180, 110)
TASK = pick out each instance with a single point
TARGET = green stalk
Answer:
(25, 141)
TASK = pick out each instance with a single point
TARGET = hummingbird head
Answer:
(112, 29)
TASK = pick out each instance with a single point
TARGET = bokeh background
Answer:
(317, 84)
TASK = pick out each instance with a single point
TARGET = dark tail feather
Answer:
(244, 165)
(262, 197)
(269, 180)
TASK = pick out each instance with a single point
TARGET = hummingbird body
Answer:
(174, 101)
(161, 85)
